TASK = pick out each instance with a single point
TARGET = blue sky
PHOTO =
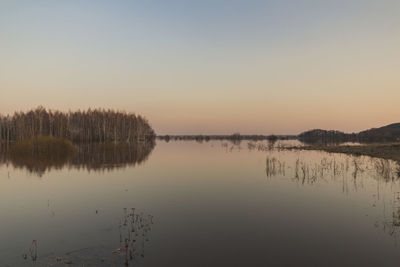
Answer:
(207, 66)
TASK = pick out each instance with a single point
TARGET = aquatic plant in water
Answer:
(133, 234)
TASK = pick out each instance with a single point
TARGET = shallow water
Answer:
(204, 204)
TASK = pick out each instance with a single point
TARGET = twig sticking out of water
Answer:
(33, 250)
(398, 171)
(134, 230)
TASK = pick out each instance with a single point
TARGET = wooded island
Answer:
(93, 125)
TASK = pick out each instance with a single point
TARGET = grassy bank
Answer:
(386, 151)
(41, 153)
(43, 148)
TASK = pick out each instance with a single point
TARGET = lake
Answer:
(202, 204)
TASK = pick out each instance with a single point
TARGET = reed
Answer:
(389, 151)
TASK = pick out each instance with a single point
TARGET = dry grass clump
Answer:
(41, 153)
(43, 148)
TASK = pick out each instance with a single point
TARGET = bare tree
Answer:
(91, 126)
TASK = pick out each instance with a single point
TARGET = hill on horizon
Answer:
(393, 125)
(390, 132)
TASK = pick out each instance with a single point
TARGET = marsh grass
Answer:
(352, 174)
(43, 148)
(384, 151)
(274, 167)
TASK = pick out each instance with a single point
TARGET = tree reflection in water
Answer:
(92, 157)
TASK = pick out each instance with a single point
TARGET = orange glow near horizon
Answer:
(208, 69)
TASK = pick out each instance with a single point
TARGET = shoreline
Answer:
(389, 151)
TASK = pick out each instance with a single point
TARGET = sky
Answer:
(207, 67)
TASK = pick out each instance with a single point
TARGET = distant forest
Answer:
(236, 137)
(97, 125)
(389, 133)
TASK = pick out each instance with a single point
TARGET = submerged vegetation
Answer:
(132, 238)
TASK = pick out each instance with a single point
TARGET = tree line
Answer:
(233, 137)
(90, 126)
(321, 137)
(388, 133)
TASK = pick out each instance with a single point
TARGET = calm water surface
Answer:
(208, 204)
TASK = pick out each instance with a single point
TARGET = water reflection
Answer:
(314, 206)
(110, 156)
(133, 233)
(92, 157)
(353, 174)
